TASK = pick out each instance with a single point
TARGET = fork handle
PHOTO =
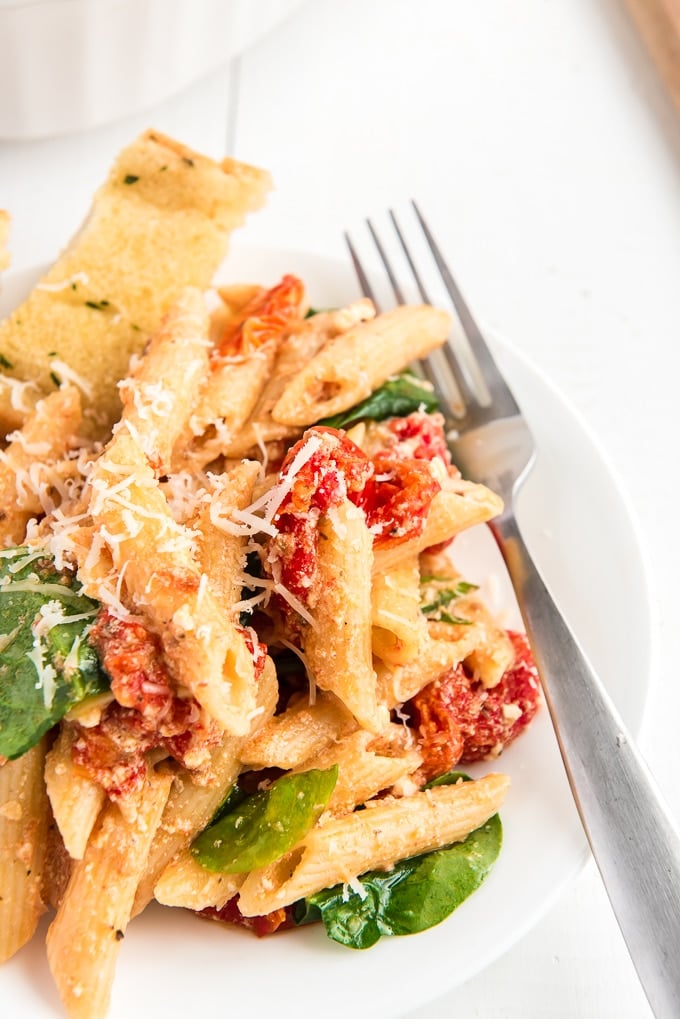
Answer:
(631, 834)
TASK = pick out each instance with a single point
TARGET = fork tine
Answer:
(364, 282)
(398, 293)
(445, 358)
(491, 377)
(440, 368)
(409, 258)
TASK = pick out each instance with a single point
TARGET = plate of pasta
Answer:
(266, 706)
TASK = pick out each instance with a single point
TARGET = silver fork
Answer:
(631, 834)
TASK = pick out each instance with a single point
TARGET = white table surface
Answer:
(543, 148)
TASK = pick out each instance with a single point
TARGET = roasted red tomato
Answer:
(131, 655)
(460, 721)
(146, 713)
(278, 920)
(419, 436)
(322, 469)
(265, 318)
(394, 492)
(396, 498)
(336, 469)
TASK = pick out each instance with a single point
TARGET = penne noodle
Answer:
(191, 805)
(398, 625)
(459, 505)
(27, 474)
(58, 866)
(186, 883)
(227, 400)
(338, 645)
(4, 239)
(75, 798)
(373, 839)
(299, 732)
(438, 653)
(203, 648)
(84, 939)
(23, 832)
(366, 766)
(492, 652)
(293, 354)
(161, 389)
(348, 368)
(221, 554)
(235, 297)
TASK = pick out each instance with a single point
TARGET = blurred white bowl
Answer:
(66, 65)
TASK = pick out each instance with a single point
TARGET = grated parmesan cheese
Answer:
(54, 288)
(305, 661)
(355, 885)
(249, 521)
(66, 372)
(19, 398)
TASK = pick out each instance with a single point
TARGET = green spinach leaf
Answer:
(416, 894)
(264, 826)
(46, 663)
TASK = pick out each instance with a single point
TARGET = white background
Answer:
(538, 140)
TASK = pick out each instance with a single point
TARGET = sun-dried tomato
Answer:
(395, 493)
(334, 471)
(337, 469)
(277, 920)
(435, 711)
(508, 707)
(265, 318)
(146, 713)
(131, 656)
(396, 498)
(460, 721)
(419, 436)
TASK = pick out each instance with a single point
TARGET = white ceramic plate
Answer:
(579, 529)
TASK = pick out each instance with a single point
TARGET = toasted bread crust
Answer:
(160, 222)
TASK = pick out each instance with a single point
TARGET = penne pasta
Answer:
(203, 647)
(27, 474)
(84, 939)
(191, 804)
(373, 839)
(23, 831)
(75, 798)
(58, 866)
(220, 553)
(492, 652)
(338, 644)
(458, 506)
(398, 625)
(437, 653)
(4, 239)
(161, 390)
(185, 883)
(297, 733)
(294, 353)
(349, 367)
(366, 766)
